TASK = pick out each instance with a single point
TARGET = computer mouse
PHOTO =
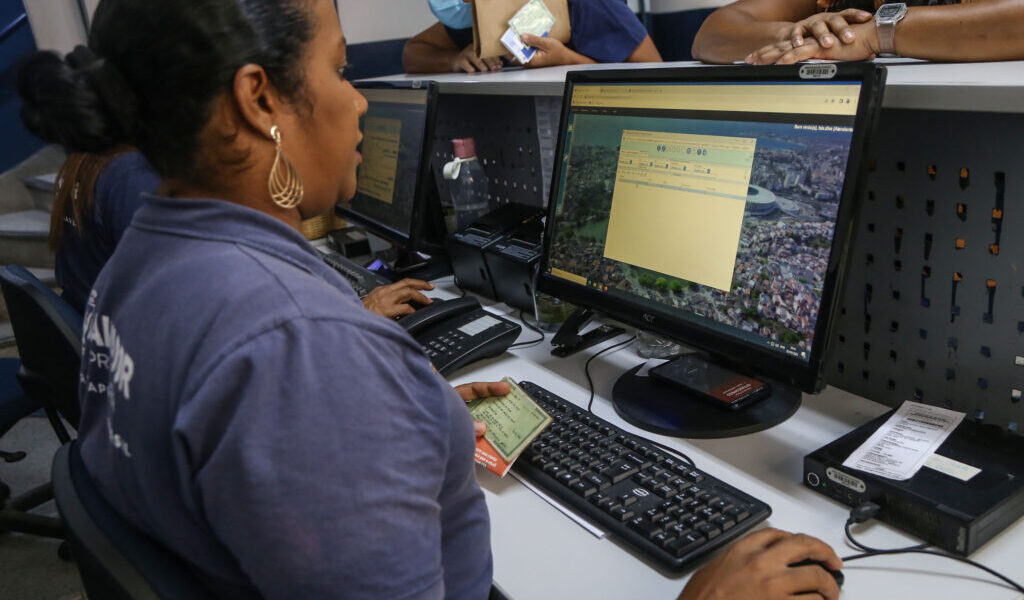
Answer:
(836, 574)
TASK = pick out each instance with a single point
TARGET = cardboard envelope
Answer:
(490, 20)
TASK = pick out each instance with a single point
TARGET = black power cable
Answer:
(869, 509)
(531, 327)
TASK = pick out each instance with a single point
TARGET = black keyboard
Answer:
(656, 503)
(359, 277)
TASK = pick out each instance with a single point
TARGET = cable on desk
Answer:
(531, 327)
(590, 403)
(671, 450)
(868, 510)
(586, 369)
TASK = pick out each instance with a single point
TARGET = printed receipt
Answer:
(901, 446)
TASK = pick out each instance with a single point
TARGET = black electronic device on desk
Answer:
(362, 280)
(466, 247)
(396, 196)
(713, 206)
(457, 332)
(653, 502)
(512, 263)
(945, 510)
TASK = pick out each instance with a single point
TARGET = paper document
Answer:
(513, 421)
(902, 445)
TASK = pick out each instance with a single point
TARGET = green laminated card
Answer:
(513, 421)
(533, 18)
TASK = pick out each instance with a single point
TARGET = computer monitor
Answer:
(714, 206)
(396, 198)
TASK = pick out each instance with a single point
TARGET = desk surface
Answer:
(985, 87)
(540, 553)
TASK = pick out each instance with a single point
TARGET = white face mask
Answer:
(454, 14)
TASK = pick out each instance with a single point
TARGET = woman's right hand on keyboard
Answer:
(393, 300)
(757, 568)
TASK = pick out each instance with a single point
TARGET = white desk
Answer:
(978, 87)
(540, 553)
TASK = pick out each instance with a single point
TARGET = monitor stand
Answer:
(662, 408)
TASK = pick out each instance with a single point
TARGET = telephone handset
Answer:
(457, 332)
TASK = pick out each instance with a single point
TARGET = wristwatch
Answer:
(886, 18)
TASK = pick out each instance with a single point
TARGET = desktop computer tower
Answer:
(466, 247)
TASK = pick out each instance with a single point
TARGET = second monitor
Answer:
(396, 198)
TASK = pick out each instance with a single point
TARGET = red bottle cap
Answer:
(464, 147)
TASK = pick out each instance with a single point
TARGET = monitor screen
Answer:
(704, 209)
(390, 178)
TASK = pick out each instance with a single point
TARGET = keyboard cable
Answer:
(590, 403)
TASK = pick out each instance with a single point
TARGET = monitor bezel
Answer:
(424, 188)
(742, 355)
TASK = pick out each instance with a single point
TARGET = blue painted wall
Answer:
(16, 42)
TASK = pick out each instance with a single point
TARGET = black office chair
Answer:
(48, 333)
(115, 559)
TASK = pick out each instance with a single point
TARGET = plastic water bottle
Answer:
(468, 185)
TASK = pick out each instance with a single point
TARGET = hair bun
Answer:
(79, 101)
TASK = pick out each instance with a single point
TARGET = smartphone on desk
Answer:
(711, 383)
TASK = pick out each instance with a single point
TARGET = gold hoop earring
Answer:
(284, 183)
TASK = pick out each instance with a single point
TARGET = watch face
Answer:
(889, 11)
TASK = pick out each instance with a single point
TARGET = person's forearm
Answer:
(979, 31)
(729, 35)
(421, 57)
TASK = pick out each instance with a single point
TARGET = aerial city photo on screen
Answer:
(785, 211)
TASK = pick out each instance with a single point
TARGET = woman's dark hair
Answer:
(152, 69)
(73, 197)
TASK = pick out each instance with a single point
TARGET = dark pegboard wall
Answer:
(505, 130)
(933, 309)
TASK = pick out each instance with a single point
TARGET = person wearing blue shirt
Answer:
(603, 31)
(94, 202)
(239, 405)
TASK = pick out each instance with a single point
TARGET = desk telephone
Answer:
(457, 332)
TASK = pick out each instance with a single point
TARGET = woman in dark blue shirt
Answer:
(95, 199)
(603, 31)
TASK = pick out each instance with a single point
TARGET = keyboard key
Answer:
(665, 491)
(622, 513)
(583, 488)
(708, 530)
(662, 538)
(644, 527)
(686, 544)
(619, 470)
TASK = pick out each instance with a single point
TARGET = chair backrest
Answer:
(48, 332)
(115, 559)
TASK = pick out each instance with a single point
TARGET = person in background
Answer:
(97, 195)
(239, 405)
(787, 31)
(603, 31)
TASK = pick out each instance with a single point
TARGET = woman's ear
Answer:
(256, 98)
